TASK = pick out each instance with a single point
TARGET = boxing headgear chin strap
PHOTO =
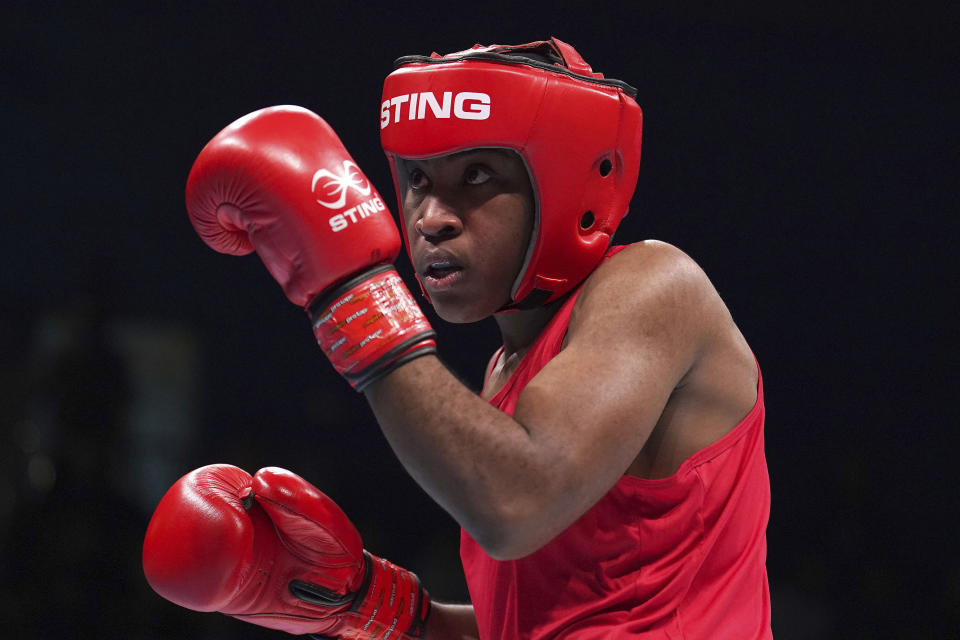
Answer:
(578, 133)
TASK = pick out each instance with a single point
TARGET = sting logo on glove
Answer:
(363, 210)
(337, 185)
(248, 190)
(333, 184)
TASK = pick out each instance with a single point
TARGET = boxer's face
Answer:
(468, 217)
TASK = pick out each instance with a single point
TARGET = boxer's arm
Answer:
(451, 622)
(515, 483)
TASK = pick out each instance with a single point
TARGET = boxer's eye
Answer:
(417, 179)
(476, 175)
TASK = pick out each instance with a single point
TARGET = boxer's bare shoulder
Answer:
(652, 314)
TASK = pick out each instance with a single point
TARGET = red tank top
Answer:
(678, 557)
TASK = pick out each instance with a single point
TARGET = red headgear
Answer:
(578, 133)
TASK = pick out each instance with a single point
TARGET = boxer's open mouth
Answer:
(442, 273)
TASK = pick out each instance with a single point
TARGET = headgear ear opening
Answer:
(578, 133)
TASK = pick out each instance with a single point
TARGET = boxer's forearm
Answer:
(479, 464)
(451, 622)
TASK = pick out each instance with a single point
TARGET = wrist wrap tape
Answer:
(370, 325)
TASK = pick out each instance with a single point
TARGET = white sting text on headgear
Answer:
(466, 105)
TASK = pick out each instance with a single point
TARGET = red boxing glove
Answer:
(279, 182)
(275, 551)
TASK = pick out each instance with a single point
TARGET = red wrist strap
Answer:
(395, 604)
(370, 325)
(390, 605)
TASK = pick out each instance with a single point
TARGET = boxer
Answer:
(609, 478)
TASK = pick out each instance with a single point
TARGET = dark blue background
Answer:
(800, 155)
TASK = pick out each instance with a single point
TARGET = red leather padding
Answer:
(564, 125)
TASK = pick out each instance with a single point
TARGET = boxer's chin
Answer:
(461, 308)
